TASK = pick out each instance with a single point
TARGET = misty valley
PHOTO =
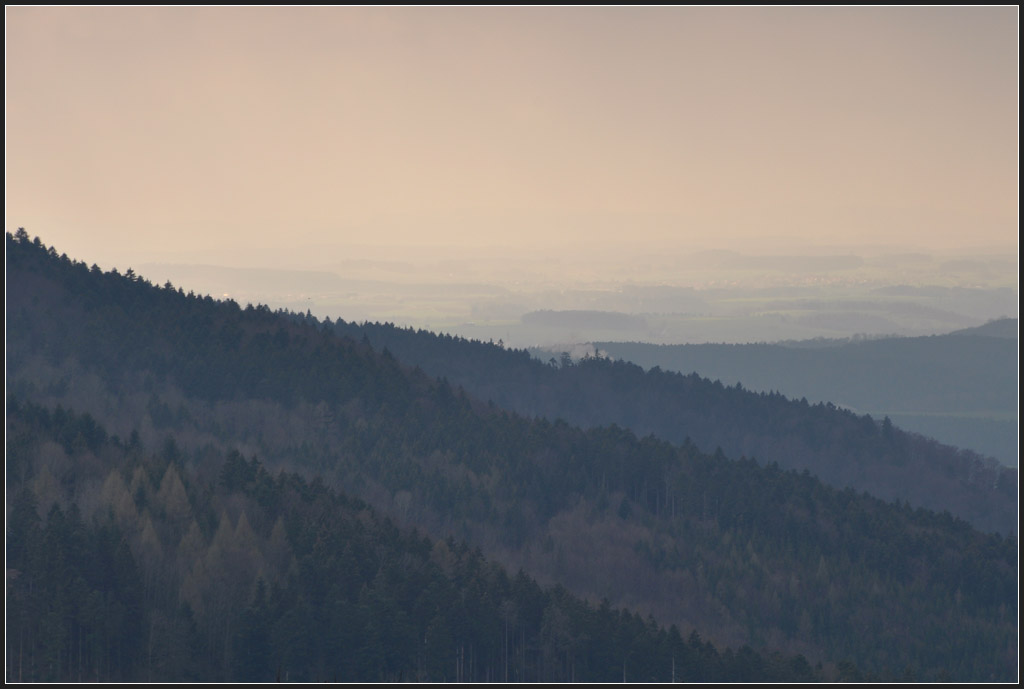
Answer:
(199, 489)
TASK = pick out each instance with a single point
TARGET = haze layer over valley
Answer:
(617, 292)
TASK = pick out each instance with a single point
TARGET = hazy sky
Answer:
(157, 129)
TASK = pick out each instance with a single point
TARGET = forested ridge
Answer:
(144, 569)
(840, 447)
(886, 373)
(961, 385)
(743, 552)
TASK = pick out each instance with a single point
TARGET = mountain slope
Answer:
(842, 448)
(746, 553)
(960, 388)
(147, 570)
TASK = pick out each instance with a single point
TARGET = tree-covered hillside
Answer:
(960, 387)
(840, 447)
(744, 552)
(145, 569)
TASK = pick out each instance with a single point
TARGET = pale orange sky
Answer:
(157, 129)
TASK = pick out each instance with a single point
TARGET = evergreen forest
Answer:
(200, 490)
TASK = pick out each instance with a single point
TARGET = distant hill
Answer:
(1001, 327)
(832, 443)
(959, 388)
